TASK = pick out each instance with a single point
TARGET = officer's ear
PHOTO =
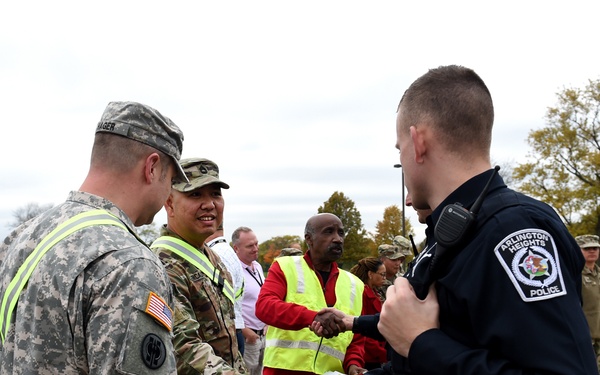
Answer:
(419, 141)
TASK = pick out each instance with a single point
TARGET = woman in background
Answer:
(372, 273)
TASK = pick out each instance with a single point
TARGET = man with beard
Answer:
(295, 289)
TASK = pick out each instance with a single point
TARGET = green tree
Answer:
(27, 212)
(391, 226)
(356, 243)
(268, 250)
(565, 170)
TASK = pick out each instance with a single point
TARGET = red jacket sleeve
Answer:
(355, 353)
(272, 309)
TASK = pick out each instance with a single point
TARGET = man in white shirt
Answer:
(245, 244)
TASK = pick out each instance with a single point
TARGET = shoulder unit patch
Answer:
(531, 261)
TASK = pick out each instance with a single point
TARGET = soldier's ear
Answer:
(169, 205)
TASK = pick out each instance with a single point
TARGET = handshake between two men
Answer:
(330, 322)
(403, 317)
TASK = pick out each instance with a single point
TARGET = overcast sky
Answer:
(293, 100)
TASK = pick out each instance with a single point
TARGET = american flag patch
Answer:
(159, 310)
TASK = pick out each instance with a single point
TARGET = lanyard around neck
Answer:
(253, 273)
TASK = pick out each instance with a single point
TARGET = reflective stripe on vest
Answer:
(302, 350)
(72, 225)
(197, 259)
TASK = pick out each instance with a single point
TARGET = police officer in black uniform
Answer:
(497, 290)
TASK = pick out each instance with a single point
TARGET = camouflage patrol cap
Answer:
(290, 251)
(403, 244)
(200, 172)
(587, 240)
(389, 251)
(146, 125)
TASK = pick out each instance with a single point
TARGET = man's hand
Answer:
(355, 370)
(249, 335)
(346, 325)
(327, 324)
(404, 316)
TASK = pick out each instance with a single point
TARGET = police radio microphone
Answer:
(455, 220)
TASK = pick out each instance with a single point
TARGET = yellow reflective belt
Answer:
(198, 259)
(77, 222)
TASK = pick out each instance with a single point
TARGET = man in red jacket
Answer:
(289, 311)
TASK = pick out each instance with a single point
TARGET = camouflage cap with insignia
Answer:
(289, 251)
(200, 172)
(403, 244)
(389, 251)
(587, 240)
(146, 125)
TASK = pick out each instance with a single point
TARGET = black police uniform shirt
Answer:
(510, 299)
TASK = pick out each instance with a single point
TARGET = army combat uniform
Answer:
(203, 315)
(98, 301)
(590, 292)
(399, 250)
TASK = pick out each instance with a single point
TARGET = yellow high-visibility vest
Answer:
(303, 350)
(11, 295)
(197, 259)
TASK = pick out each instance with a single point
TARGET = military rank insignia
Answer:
(160, 310)
(531, 261)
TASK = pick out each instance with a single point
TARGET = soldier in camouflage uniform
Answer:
(99, 301)
(393, 257)
(590, 290)
(202, 285)
(404, 247)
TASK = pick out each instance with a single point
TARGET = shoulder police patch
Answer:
(531, 261)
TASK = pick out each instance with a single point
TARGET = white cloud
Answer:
(294, 100)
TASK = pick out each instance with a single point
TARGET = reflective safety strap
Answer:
(77, 222)
(289, 344)
(300, 274)
(240, 292)
(353, 291)
(198, 259)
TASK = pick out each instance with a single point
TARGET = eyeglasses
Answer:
(591, 249)
(383, 274)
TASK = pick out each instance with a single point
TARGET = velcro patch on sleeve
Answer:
(530, 259)
(157, 308)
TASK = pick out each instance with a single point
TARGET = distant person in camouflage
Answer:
(404, 248)
(202, 285)
(99, 301)
(289, 252)
(392, 258)
(590, 289)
